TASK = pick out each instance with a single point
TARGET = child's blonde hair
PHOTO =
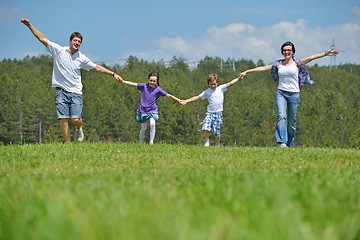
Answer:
(213, 78)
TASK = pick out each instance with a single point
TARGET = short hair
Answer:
(213, 77)
(288, 43)
(155, 74)
(76, 34)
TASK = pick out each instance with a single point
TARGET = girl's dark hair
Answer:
(155, 74)
(288, 43)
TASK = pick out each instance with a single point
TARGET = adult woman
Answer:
(290, 73)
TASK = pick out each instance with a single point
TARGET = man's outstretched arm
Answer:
(41, 37)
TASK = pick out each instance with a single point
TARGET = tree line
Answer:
(328, 115)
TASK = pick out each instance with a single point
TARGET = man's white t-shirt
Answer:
(66, 71)
(215, 98)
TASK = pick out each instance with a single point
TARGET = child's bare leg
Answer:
(217, 141)
(206, 136)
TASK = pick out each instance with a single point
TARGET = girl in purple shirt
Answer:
(148, 110)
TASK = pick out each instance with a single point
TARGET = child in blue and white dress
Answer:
(215, 96)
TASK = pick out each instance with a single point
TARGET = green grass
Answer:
(131, 191)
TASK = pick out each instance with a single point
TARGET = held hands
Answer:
(183, 102)
(242, 75)
(118, 77)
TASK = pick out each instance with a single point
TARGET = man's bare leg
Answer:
(79, 132)
(64, 126)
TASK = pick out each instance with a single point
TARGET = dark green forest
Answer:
(328, 115)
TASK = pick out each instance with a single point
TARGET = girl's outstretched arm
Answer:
(173, 97)
(129, 83)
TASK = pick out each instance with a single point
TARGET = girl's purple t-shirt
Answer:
(148, 97)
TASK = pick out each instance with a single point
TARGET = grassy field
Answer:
(131, 191)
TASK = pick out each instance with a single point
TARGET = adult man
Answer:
(66, 78)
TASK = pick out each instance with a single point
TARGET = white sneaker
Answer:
(206, 144)
(79, 134)
(283, 145)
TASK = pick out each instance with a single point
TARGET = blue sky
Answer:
(155, 30)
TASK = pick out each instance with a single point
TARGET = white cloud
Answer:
(175, 43)
(356, 10)
(240, 40)
(10, 13)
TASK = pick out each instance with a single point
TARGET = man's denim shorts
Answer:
(68, 105)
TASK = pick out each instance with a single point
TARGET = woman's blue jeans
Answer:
(286, 121)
